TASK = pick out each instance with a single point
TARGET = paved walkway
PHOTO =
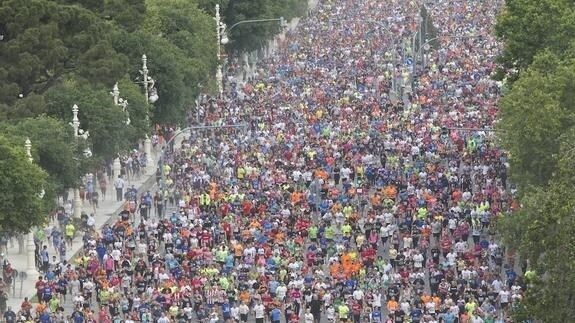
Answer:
(108, 209)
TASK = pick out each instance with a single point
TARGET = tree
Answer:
(542, 232)
(529, 26)
(138, 108)
(248, 37)
(20, 183)
(45, 41)
(209, 6)
(539, 130)
(128, 14)
(105, 121)
(190, 29)
(174, 72)
(52, 149)
(534, 116)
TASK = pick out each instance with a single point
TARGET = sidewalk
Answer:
(108, 210)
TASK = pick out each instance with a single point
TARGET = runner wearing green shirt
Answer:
(346, 230)
(329, 233)
(343, 311)
(312, 233)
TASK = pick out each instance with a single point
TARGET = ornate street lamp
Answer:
(151, 94)
(30, 245)
(121, 102)
(79, 133)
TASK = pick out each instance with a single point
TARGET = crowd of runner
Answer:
(349, 195)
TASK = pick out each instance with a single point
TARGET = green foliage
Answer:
(128, 14)
(529, 26)
(26, 107)
(186, 26)
(97, 113)
(210, 5)
(248, 37)
(182, 55)
(543, 233)
(20, 182)
(534, 116)
(538, 120)
(169, 66)
(93, 5)
(52, 148)
(44, 41)
(137, 109)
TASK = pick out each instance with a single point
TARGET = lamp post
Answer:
(76, 125)
(116, 93)
(151, 97)
(117, 167)
(79, 133)
(220, 33)
(28, 147)
(123, 103)
(30, 245)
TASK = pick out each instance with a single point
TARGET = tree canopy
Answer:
(52, 148)
(542, 232)
(57, 53)
(528, 27)
(538, 123)
(21, 181)
(535, 114)
(247, 37)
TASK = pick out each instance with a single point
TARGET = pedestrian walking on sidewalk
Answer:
(119, 185)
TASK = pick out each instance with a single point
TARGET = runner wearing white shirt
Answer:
(418, 260)
(163, 319)
(244, 310)
(308, 317)
(330, 314)
(345, 172)
(259, 311)
(496, 284)
(358, 295)
(235, 313)
(376, 299)
(281, 292)
(451, 256)
(504, 298)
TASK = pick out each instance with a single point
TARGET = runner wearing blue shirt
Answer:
(47, 293)
(416, 315)
(226, 311)
(77, 316)
(448, 317)
(376, 315)
(275, 315)
(45, 317)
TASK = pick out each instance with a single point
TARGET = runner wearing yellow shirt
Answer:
(346, 231)
(70, 231)
(343, 311)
